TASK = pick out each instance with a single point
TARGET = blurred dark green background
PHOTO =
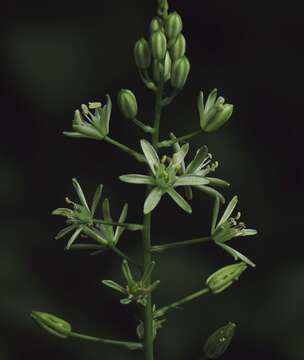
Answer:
(60, 54)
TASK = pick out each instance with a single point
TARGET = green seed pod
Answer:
(173, 25)
(156, 25)
(225, 277)
(178, 49)
(158, 45)
(142, 54)
(127, 103)
(219, 341)
(180, 72)
(167, 67)
(52, 324)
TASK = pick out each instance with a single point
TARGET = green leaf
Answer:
(80, 194)
(113, 285)
(119, 230)
(229, 209)
(73, 237)
(137, 179)
(75, 135)
(198, 160)
(96, 199)
(236, 255)
(180, 155)
(88, 131)
(152, 200)
(151, 155)
(191, 180)
(180, 201)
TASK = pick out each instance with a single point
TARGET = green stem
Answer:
(128, 226)
(125, 344)
(146, 128)
(139, 157)
(148, 313)
(163, 310)
(125, 257)
(168, 143)
(179, 244)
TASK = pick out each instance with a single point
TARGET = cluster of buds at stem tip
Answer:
(214, 113)
(136, 291)
(52, 324)
(226, 276)
(219, 341)
(165, 51)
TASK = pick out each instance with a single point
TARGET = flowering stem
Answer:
(126, 257)
(146, 128)
(179, 244)
(174, 305)
(124, 344)
(139, 157)
(168, 143)
(148, 313)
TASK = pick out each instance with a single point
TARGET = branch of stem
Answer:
(139, 157)
(168, 143)
(179, 244)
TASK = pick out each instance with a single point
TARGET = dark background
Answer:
(60, 54)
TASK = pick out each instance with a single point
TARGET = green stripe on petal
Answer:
(137, 179)
(180, 201)
(191, 180)
(152, 200)
(150, 154)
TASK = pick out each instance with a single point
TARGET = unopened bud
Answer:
(225, 277)
(158, 45)
(52, 324)
(167, 67)
(180, 72)
(127, 103)
(178, 49)
(142, 54)
(155, 25)
(173, 25)
(219, 341)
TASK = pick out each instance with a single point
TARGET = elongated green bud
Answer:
(156, 25)
(158, 45)
(52, 324)
(142, 54)
(225, 277)
(167, 67)
(127, 103)
(219, 341)
(180, 72)
(173, 25)
(178, 49)
(156, 71)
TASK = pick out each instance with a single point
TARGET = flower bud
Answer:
(158, 45)
(127, 103)
(219, 341)
(142, 54)
(157, 71)
(215, 113)
(173, 25)
(155, 25)
(180, 72)
(167, 67)
(225, 277)
(178, 49)
(52, 324)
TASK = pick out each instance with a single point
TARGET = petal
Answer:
(180, 201)
(80, 193)
(73, 237)
(137, 179)
(198, 160)
(237, 255)
(190, 180)
(152, 200)
(212, 192)
(119, 230)
(96, 199)
(65, 231)
(150, 154)
(179, 156)
(113, 285)
(229, 209)
(217, 182)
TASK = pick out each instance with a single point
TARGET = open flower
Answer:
(87, 124)
(228, 228)
(164, 178)
(136, 291)
(80, 220)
